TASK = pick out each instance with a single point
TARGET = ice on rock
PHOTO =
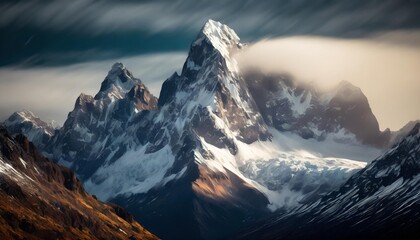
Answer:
(221, 37)
(118, 66)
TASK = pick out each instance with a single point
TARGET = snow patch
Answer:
(134, 172)
(23, 162)
(8, 170)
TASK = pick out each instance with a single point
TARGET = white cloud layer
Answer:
(50, 92)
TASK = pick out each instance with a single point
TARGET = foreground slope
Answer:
(41, 200)
(381, 201)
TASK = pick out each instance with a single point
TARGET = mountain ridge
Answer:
(225, 147)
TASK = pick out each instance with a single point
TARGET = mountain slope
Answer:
(381, 201)
(41, 200)
(199, 107)
(189, 153)
(85, 138)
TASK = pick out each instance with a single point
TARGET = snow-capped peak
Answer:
(211, 51)
(117, 83)
(25, 115)
(220, 36)
(26, 123)
(118, 66)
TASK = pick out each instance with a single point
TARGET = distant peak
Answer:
(118, 82)
(25, 113)
(23, 116)
(117, 67)
(348, 90)
(346, 84)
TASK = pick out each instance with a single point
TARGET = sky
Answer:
(51, 51)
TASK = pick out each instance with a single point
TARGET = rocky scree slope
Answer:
(42, 200)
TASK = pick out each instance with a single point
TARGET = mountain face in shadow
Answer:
(42, 200)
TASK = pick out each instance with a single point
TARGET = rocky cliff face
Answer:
(42, 200)
(86, 136)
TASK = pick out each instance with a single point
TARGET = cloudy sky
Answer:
(53, 50)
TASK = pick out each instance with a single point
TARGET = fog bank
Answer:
(386, 67)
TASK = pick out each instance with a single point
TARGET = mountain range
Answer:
(223, 150)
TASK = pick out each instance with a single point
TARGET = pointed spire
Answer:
(220, 36)
(215, 40)
(117, 83)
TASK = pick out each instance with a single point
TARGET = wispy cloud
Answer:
(50, 92)
(40, 29)
(385, 67)
(270, 17)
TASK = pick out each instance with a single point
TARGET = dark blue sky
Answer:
(62, 32)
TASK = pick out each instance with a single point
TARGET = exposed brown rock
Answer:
(42, 200)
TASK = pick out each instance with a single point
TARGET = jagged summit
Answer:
(93, 121)
(25, 122)
(24, 115)
(83, 100)
(219, 35)
(116, 67)
(348, 91)
(120, 82)
(214, 46)
(28, 118)
(117, 83)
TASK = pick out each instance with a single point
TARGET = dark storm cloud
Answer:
(38, 29)
(276, 17)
